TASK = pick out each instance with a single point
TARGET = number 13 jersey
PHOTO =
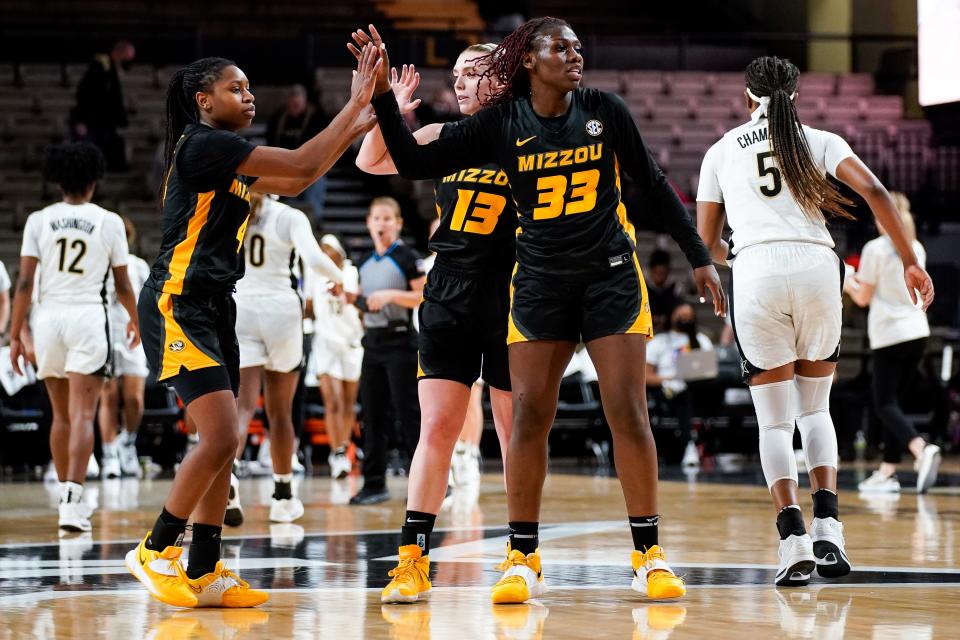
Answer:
(478, 220)
(739, 171)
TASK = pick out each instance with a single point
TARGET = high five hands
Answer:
(360, 41)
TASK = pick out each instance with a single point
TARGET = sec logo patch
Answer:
(594, 127)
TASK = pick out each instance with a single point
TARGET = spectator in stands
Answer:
(293, 125)
(391, 282)
(4, 300)
(441, 107)
(898, 332)
(663, 383)
(101, 108)
(663, 293)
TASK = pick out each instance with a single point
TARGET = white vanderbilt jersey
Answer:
(76, 246)
(739, 171)
(268, 246)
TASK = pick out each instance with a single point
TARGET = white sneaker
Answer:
(263, 454)
(797, 561)
(828, 548)
(465, 466)
(93, 469)
(691, 456)
(879, 483)
(234, 515)
(286, 511)
(129, 460)
(74, 516)
(296, 466)
(111, 468)
(340, 465)
(50, 475)
(927, 467)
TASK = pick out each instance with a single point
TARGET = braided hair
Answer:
(181, 97)
(778, 79)
(74, 166)
(504, 64)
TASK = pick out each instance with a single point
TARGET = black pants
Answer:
(388, 380)
(894, 368)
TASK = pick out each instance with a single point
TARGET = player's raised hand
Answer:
(404, 86)
(362, 39)
(365, 77)
(917, 279)
(706, 278)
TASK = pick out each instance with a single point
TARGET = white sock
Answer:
(71, 492)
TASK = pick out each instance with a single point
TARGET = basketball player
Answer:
(577, 279)
(128, 380)
(463, 317)
(768, 179)
(188, 312)
(336, 356)
(270, 331)
(72, 244)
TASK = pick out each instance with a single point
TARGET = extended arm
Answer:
(710, 218)
(855, 174)
(127, 298)
(287, 171)
(21, 305)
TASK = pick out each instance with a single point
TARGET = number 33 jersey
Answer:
(740, 172)
(564, 175)
(76, 246)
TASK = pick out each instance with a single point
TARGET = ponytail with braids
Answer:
(181, 98)
(504, 65)
(776, 78)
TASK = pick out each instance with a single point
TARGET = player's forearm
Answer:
(316, 260)
(678, 223)
(4, 311)
(373, 157)
(21, 304)
(321, 152)
(412, 161)
(129, 303)
(885, 211)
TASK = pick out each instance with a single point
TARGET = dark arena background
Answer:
(881, 74)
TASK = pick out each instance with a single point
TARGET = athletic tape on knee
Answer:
(814, 421)
(774, 404)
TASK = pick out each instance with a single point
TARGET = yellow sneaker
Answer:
(161, 573)
(522, 578)
(411, 577)
(653, 577)
(223, 588)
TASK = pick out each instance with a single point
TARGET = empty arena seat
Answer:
(817, 84)
(855, 84)
(687, 83)
(884, 108)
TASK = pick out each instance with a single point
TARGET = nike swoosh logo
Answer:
(196, 590)
(520, 142)
(140, 556)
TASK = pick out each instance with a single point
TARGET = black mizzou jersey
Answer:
(205, 209)
(564, 174)
(478, 220)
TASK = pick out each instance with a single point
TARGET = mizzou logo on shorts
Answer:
(176, 346)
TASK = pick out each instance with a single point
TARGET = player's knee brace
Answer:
(774, 404)
(814, 421)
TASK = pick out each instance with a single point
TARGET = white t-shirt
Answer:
(76, 246)
(275, 238)
(739, 171)
(337, 322)
(892, 318)
(138, 271)
(4, 278)
(662, 352)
